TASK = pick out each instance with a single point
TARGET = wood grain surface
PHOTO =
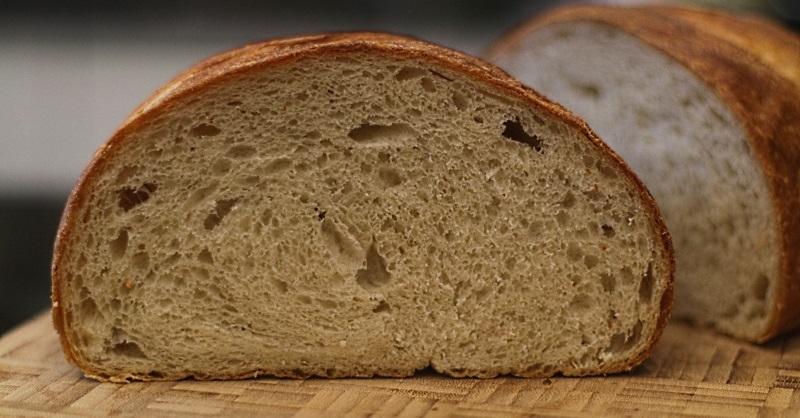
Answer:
(692, 372)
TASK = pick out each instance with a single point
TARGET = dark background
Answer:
(71, 71)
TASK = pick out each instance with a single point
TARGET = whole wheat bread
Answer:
(705, 107)
(356, 205)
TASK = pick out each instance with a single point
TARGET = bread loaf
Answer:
(705, 106)
(356, 205)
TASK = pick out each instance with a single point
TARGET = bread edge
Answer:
(742, 79)
(222, 67)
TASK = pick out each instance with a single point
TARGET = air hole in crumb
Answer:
(266, 215)
(460, 101)
(515, 132)
(205, 256)
(608, 230)
(617, 343)
(249, 180)
(234, 103)
(277, 165)
(621, 343)
(568, 201)
(535, 228)
(154, 374)
(587, 89)
(82, 261)
(88, 310)
(539, 369)
(612, 318)
(128, 349)
(756, 312)
(646, 286)
(440, 75)
(390, 176)
(322, 160)
(581, 302)
(241, 151)
(221, 209)
(141, 261)
(304, 299)
(574, 252)
(482, 294)
(199, 195)
(339, 242)
(204, 129)
(381, 135)
(407, 73)
(562, 217)
(374, 275)
(608, 281)
(382, 307)
(731, 312)
(605, 170)
(644, 119)
(595, 194)
(125, 173)
(119, 244)
(130, 197)
(627, 275)
(493, 206)
(281, 285)
(761, 286)
(427, 84)
(328, 304)
(590, 261)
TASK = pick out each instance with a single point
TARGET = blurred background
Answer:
(70, 72)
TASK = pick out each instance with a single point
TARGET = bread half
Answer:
(705, 106)
(356, 205)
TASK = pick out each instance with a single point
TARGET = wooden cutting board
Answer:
(691, 373)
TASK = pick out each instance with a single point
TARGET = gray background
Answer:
(71, 71)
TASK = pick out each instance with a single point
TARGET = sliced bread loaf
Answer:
(356, 205)
(705, 107)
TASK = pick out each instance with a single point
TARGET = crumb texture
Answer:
(358, 215)
(689, 149)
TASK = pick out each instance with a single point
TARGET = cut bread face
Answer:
(687, 145)
(357, 205)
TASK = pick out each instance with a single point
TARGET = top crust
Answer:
(222, 68)
(754, 67)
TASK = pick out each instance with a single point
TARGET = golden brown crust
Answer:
(226, 66)
(754, 67)
(775, 47)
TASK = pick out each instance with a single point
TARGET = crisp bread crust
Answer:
(257, 57)
(753, 66)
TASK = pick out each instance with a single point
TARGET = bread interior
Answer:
(360, 214)
(691, 152)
